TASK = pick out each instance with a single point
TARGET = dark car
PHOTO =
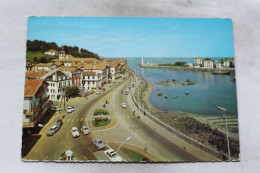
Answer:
(53, 130)
(59, 123)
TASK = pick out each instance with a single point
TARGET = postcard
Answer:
(130, 89)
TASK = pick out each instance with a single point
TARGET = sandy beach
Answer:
(207, 129)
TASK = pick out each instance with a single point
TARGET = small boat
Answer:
(166, 97)
(223, 109)
(175, 97)
(187, 92)
(159, 94)
(220, 72)
(158, 90)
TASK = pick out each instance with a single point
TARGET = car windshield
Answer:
(74, 130)
(100, 142)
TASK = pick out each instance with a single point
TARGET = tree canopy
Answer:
(72, 91)
(42, 46)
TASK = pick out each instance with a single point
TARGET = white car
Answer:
(113, 156)
(70, 110)
(70, 107)
(85, 130)
(123, 105)
(74, 132)
(98, 92)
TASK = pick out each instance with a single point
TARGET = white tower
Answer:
(142, 61)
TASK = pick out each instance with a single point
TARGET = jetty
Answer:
(174, 82)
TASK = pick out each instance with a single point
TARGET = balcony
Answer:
(40, 93)
(44, 100)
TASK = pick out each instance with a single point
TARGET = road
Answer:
(142, 134)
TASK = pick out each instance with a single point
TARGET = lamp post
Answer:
(128, 138)
(224, 117)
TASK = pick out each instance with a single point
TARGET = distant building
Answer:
(208, 63)
(228, 62)
(68, 56)
(91, 80)
(44, 66)
(36, 102)
(62, 53)
(52, 52)
(70, 61)
(218, 65)
(198, 61)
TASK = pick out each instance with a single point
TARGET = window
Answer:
(88, 77)
(28, 116)
(93, 82)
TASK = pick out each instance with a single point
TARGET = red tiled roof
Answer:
(91, 74)
(31, 87)
(34, 74)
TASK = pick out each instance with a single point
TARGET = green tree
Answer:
(43, 60)
(180, 64)
(72, 91)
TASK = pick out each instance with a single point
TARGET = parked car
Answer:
(98, 92)
(126, 93)
(98, 144)
(74, 132)
(113, 156)
(55, 108)
(70, 107)
(85, 130)
(123, 105)
(53, 130)
(70, 110)
(59, 122)
(103, 89)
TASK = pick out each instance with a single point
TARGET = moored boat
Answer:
(221, 72)
(159, 94)
(187, 92)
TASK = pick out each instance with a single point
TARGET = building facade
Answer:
(208, 63)
(36, 102)
(58, 82)
(91, 80)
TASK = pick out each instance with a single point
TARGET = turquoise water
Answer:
(211, 90)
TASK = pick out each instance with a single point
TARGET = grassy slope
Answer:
(30, 56)
(134, 155)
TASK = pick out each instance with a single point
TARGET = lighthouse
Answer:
(142, 63)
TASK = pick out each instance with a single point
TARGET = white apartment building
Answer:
(91, 80)
(198, 61)
(207, 63)
(58, 82)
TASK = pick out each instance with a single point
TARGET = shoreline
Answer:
(178, 119)
(199, 69)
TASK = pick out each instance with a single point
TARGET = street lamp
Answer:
(128, 138)
(224, 117)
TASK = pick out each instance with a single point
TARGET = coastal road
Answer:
(142, 134)
(51, 147)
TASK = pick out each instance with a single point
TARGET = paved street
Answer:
(144, 132)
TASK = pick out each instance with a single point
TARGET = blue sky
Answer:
(138, 37)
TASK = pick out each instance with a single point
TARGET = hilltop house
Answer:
(208, 63)
(91, 80)
(52, 52)
(36, 102)
(58, 81)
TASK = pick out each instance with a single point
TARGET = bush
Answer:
(101, 111)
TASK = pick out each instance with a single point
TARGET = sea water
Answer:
(210, 92)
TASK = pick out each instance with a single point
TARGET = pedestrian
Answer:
(106, 102)
(144, 113)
